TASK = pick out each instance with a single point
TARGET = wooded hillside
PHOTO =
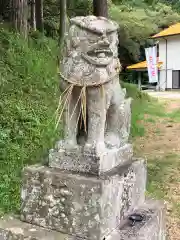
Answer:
(138, 19)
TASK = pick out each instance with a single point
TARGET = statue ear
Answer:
(118, 66)
(75, 42)
(71, 44)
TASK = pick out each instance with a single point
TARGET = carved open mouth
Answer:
(101, 56)
(100, 53)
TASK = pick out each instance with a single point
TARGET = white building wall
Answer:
(173, 59)
(162, 79)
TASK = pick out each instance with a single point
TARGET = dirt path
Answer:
(161, 145)
(165, 95)
(162, 134)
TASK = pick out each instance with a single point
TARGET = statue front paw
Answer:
(97, 148)
(67, 144)
(112, 141)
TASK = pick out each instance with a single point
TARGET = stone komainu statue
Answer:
(95, 104)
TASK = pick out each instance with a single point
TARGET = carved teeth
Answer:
(102, 51)
(101, 55)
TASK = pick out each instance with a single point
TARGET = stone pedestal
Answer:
(63, 205)
(78, 160)
(93, 201)
(84, 206)
(72, 205)
(151, 228)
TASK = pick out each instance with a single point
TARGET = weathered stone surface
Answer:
(151, 228)
(79, 161)
(14, 229)
(134, 191)
(95, 108)
(139, 188)
(85, 206)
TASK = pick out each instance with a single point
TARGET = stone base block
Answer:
(88, 162)
(83, 206)
(152, 227)
(14, 229)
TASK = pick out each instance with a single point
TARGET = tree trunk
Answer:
(2, 8)
(33, 15)
(19, 15)
(100, 8)
(71, 8)
(39, 15)
(62, 25)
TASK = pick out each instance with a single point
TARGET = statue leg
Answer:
(71, 114)
(96, 102)
(115, 116)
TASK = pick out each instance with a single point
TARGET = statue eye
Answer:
(92, 41)
(75, 42)
(110, 38)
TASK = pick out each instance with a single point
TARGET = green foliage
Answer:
(28, 89)
(160, 172)
(138, 21)
(139, 102)
(82, 8)
(133, 92)
(142, 104)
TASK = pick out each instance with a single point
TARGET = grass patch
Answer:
(28, 88)
(157, 175)
(151, 120)
(163, 173)
(142, 104)
(158, 131)
(155, 108)
(139, 101)
(175, 115)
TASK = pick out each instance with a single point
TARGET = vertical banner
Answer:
(151, 59)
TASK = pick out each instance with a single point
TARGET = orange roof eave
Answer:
(142, 65)
(171, 31)
(164, 36)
